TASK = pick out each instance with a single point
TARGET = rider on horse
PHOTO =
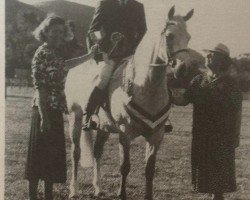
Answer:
(117, 27)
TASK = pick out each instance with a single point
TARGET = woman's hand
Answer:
(79, 60)
(45, 125)
(179, 69)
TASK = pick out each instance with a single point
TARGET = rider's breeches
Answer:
(106, 73)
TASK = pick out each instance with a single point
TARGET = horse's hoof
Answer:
(97, 190)
(122, 196)
(168, 128)
(98, 194)
(73, 194)
(148, 198)
(74, 190)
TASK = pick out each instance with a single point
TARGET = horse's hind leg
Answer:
(101, 138)
(124, 150)
(152, 146)
(75, 129)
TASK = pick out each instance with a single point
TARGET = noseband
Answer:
(171, 59)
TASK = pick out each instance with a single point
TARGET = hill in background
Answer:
(21, 19)
(13, 8)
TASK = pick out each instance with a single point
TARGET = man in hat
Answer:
(117, 27)
(217, 104)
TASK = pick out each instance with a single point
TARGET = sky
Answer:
(214, 21)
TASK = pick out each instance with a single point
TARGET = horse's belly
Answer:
(79, 83)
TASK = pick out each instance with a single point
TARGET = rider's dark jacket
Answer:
(129, 19)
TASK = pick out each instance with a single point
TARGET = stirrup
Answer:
(168, 128)
(92, 124)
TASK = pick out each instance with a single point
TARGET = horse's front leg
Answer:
(124, 150)
(75, 132)
(152, 146)
(101, 138)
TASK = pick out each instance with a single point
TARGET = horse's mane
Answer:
(146, 54)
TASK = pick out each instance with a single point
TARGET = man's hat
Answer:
(220, 48)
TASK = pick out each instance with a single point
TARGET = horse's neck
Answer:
(180, 46)
(153, 95)
(150, 85)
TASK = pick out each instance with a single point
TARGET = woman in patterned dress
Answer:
(46, 153)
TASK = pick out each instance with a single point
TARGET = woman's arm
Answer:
(39, 65)
(43, 110)
(71, 63)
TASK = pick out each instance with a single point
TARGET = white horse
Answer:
(139, 102)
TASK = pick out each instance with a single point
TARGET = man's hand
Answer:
(94, 49)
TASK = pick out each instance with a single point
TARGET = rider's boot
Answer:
(96, 98)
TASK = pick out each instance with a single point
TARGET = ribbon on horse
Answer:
(146, 119)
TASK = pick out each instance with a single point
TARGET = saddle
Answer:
(124, 76)
(124, 72)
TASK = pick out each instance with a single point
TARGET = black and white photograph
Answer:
(125, 100)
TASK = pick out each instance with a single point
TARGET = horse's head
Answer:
(170, 50)
(183, 63)
(175, 31)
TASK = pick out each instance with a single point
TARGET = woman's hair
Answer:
(50, 20)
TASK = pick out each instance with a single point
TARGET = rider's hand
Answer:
(94, 49)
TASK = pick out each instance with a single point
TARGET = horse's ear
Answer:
(189, 15)
(171, 12)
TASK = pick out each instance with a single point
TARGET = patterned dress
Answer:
(216, 123)
(47, 154)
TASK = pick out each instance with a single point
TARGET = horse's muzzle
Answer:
(169, 36)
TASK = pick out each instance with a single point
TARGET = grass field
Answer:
(173, 177)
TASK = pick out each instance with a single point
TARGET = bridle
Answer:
(171, 56)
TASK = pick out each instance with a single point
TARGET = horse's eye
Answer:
(210, 55)
(170, 23)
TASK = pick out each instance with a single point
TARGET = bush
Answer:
(241, 71)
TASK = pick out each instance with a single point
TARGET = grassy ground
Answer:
(173, 177)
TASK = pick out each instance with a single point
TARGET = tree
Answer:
(241, 71)
(20, 44)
